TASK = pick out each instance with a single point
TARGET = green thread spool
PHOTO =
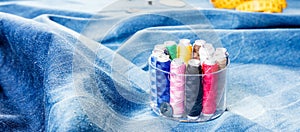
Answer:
(172, 49)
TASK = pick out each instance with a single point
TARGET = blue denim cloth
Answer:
(64, 68)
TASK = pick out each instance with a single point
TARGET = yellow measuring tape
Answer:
(271, 6)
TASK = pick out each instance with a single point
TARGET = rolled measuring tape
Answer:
(226, 4)
(271, 6)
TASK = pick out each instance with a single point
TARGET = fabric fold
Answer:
(68, 70)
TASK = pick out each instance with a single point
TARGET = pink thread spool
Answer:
(177, 87)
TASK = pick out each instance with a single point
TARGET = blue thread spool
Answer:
(153, 90)
(162, 79)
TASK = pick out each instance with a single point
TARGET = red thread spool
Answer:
(210, 85)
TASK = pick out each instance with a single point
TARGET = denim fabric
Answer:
(68, 69)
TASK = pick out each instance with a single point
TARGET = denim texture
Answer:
(64, 68)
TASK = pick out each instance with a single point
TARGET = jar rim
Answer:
(213, 73)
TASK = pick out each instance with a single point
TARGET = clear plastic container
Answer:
(203, 98)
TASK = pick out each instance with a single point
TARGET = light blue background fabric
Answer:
(82, 66)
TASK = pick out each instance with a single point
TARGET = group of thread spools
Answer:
(188, 80)
(269, 6)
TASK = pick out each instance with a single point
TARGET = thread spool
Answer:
(171, 46)
(161, 47)
(162, 79)
(209, 87)
(206, 52)
(193, 90)
(196, 47)
(221, 56)
(184, 50)
(153, 90)
(177, 87)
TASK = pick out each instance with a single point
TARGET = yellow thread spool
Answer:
(184, 50)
